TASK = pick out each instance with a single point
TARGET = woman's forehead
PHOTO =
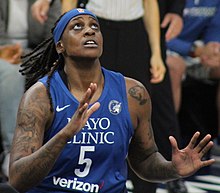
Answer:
(83, 17)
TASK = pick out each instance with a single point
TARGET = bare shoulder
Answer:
(35, 102)
(139, 101)
(33, 117)
(137, 91)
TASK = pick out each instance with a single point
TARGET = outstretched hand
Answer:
(189, 160)
(83, 112)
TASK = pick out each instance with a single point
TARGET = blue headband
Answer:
(61, 25)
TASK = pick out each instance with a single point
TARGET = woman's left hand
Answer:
(189, 160)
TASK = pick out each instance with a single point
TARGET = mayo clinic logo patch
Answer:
(114, 107)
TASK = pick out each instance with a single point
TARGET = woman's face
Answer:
(82, 38)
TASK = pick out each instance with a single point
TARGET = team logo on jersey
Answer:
(114, 107)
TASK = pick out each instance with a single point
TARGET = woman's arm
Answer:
(144, 157)
(31, 160)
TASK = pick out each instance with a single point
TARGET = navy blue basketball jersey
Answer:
(94, 160)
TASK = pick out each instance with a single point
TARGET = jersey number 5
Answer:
(83, 160)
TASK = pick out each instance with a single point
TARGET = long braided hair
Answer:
(42, 60)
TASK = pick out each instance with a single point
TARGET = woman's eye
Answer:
(94, 26)
(77, 26)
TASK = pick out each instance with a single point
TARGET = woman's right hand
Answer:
(82, 113)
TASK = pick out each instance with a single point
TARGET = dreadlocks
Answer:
(43, 60)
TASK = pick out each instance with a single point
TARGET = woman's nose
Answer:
(89, 31)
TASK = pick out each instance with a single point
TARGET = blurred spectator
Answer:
(195, 53)
(19, 33)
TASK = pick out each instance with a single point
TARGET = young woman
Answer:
(78, 122)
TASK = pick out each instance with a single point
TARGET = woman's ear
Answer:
(59, 47)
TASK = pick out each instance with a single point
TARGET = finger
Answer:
(93, 87)
(154, 76)
(92, 109)
(158, 79)
(174, 144)
(202, 143)
(165, 21)
(170, 33)
(154, 71)
(216, 47)
(43, 18)
(15, 59)
(82, 109)
(85, 98)
(205, 149)
(16, 56)
(155, 81)
(193, 140)
(173, 30)
(157, 75)
(88, 94)
(208, 162)
(213, 62)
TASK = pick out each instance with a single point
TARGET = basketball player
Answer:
(78, 122)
